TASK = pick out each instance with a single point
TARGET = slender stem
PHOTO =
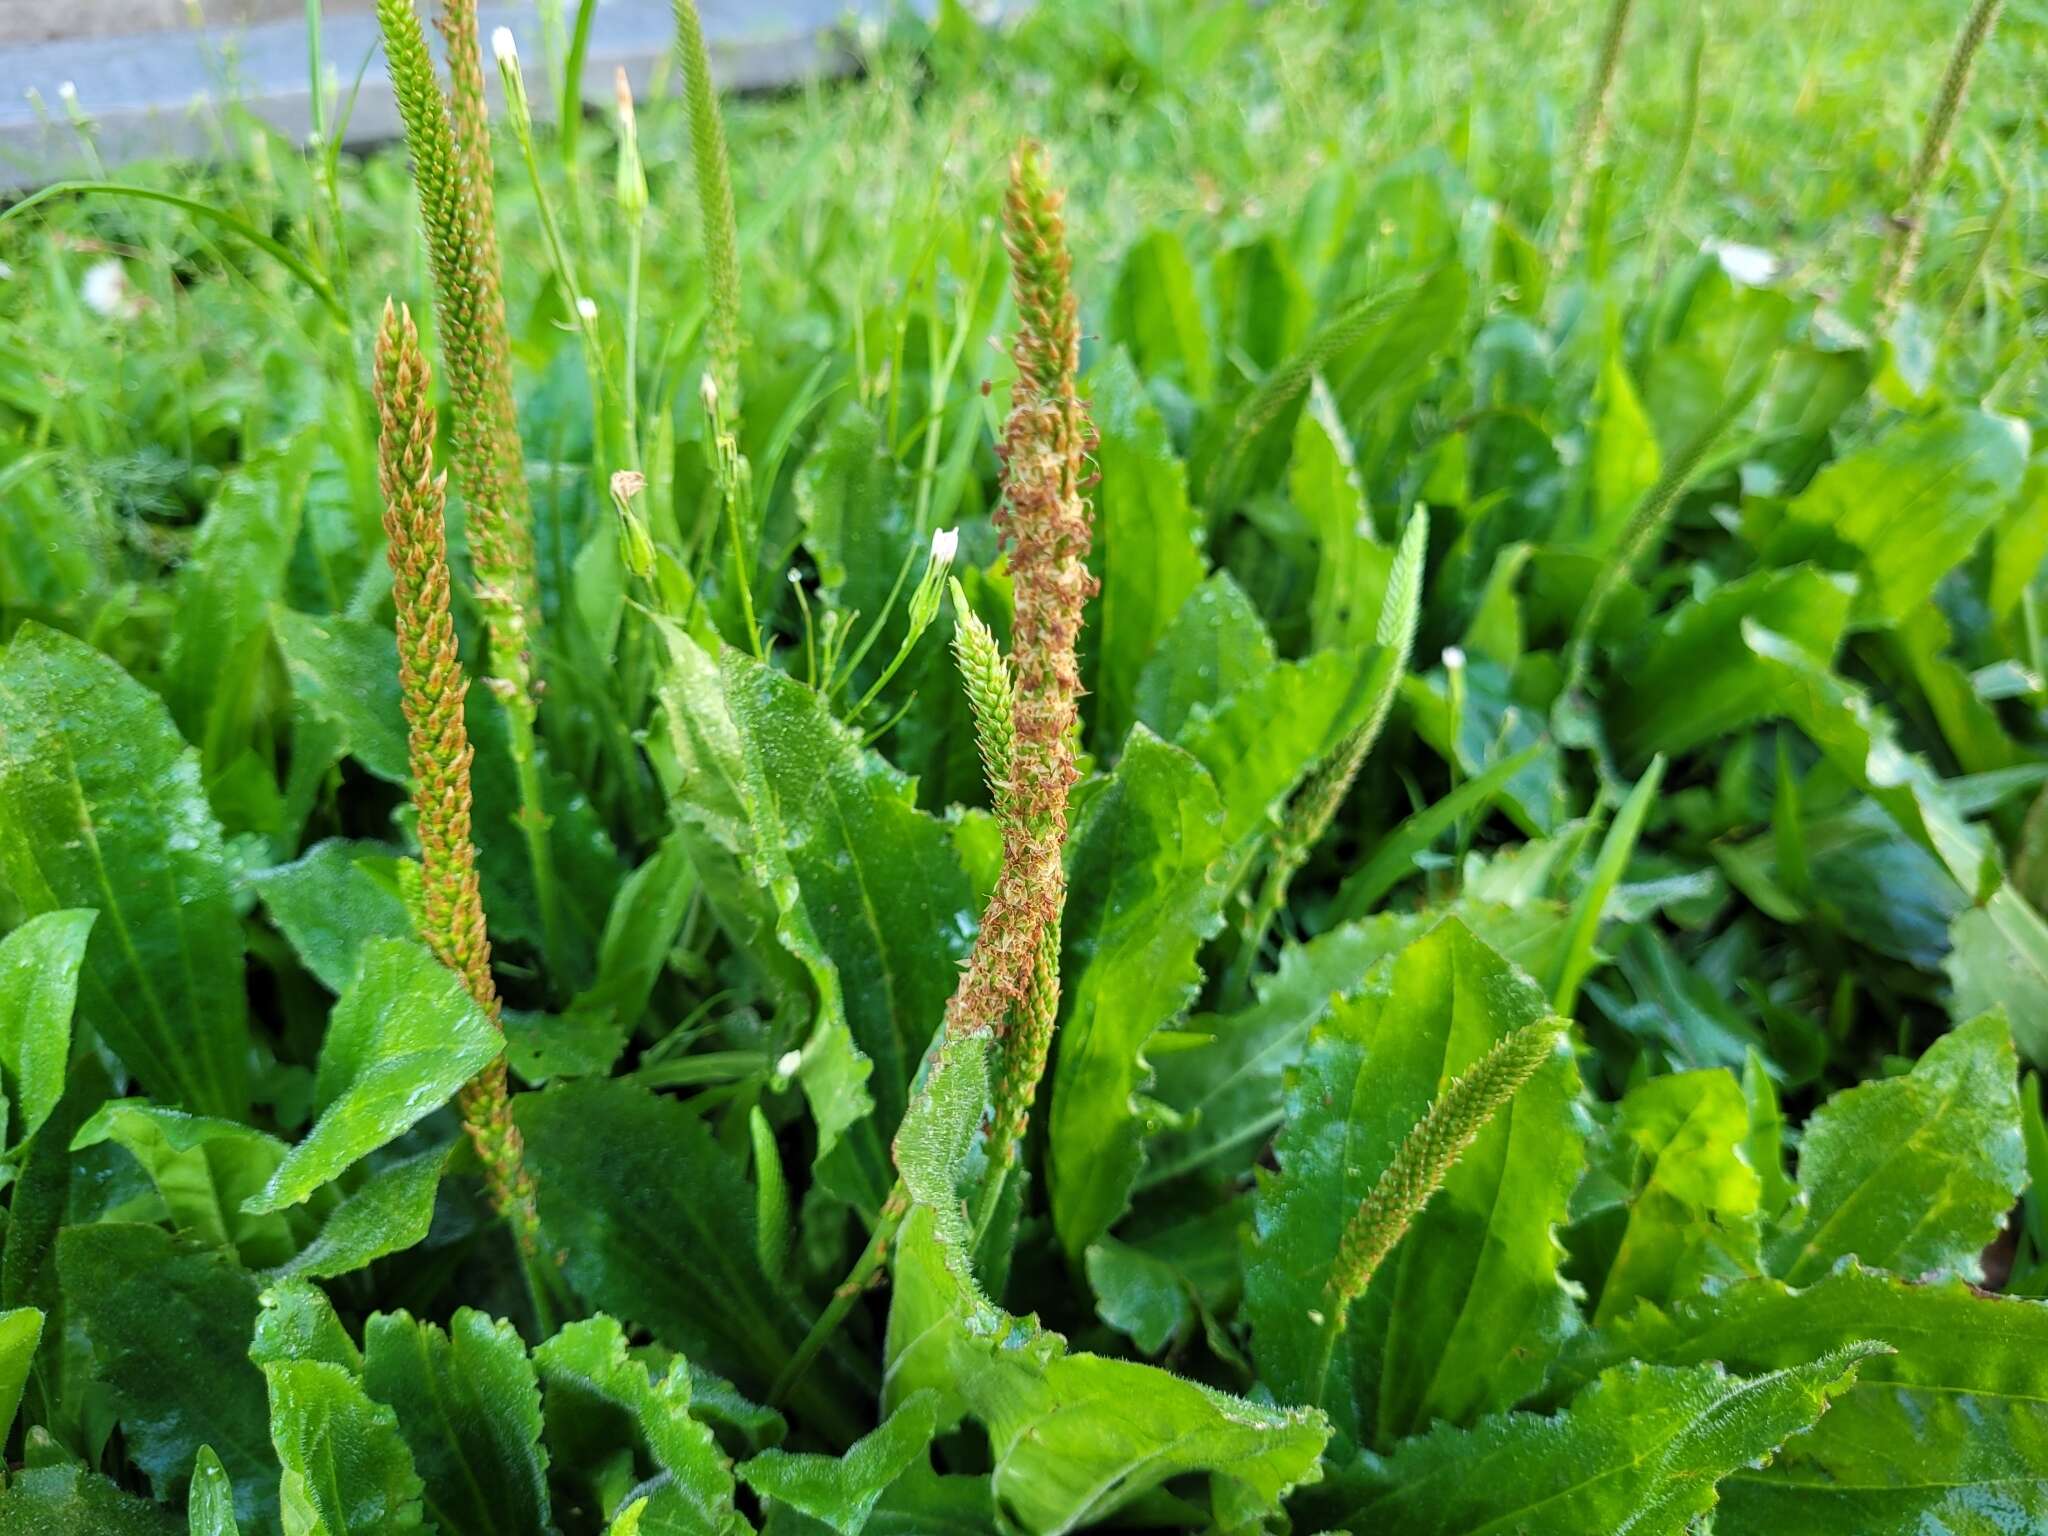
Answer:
(534, 822)
(848, 1291)
(1592, 137)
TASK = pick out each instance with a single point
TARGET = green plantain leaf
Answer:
(1352, 563)
(403, 1038)
(1075, 1436)
(39, 964)
(1215, 645)
(345, 670)
(842, 1491)
(1948, 1434)
(69, 1501)
(204, 1169)
(801, 834)
(170, 1326)
(1147, 545)
(1141, 898)
(210, 1503)
(1908, 505)
(1639, 1452)
(1693, 680)
(658, 1224)
(1156, 312)
(339, 894)
(1263, 740)
(1912, 1174)
(100, 806)
(388, 1212)
(21, 1330)
(1670, 1200)
(346, 1471)
(589, 1359)
(468, 1406)
(1466, 1313)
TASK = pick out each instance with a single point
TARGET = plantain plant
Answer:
(1444, 939)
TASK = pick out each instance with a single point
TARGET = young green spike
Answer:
(714, 200)
(432, 691)
(1908, 226)
(991, 698)
(1422, 1163)
(1312, 810)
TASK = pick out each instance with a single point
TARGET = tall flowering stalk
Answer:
(1592, 135)
(433, 688)
(714, 201)
(1044, 516)
(1024, 708)
(449, 138)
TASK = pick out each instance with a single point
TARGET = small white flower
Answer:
(6, 272)
(504, 48)
(786, 1068)
(707, 391)
(1454, 657)
(585, 306)
(68, 92)
(1747, 264)
(945, 545)
(105, 289)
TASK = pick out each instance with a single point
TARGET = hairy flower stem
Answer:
(433, 688)
(1420, 1166)
(1311, 811)
(450, 146)
(1908, 222)
(1592, 137)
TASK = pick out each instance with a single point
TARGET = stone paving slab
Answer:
(157, 94)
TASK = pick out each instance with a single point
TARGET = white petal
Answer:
(503, 47)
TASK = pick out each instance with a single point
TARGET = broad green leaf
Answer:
(589, 1358)
(1137, 1294)
(1912, 1174)
(1226, 1096)
(1998, 961)
(842, 1491)
(1141, 898)
(1715, 334)
(39, 964)
(210, 1502)
(853, 498)
(1622, 461)
(222, 598)
(1263, 740)
(21, 1330)
(388, 1212)
(1639, 1451)
(101, 807)
(1465, 1314)
(402, 1039)
(345, 670)
(337, 895)
(1352, 564)
(298, 1322)
(170, 1326)
(1215, 645)
(1908, 505)
(68, 1501)
(346, 1471)
(1147, 545)
(468, 1405)
(657, 1223)
(1694, 681)
(1947, 1434)
(1075, 1436)
(1669, 1201)
(204, 1169)
(1156, 312)
(817, 863)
